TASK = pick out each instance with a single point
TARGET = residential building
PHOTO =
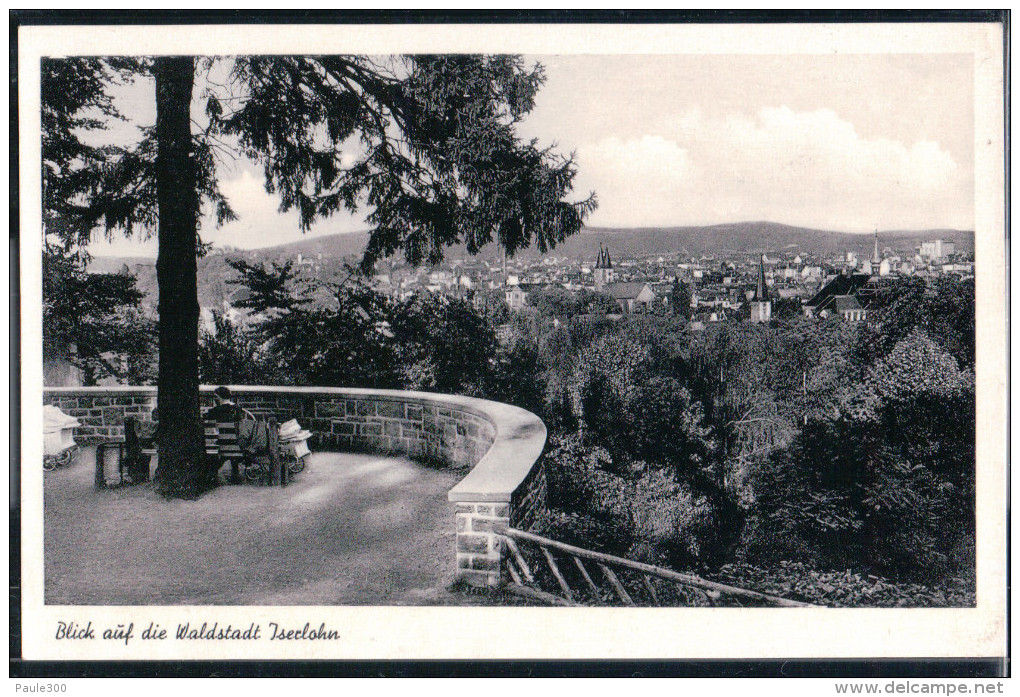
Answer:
(823, 303)
(937, 249)
(632, 296)
(848, 309)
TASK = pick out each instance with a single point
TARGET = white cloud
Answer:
(260, 223)
(636, 175)
(247, 195)
(810, 168)
(802, 167)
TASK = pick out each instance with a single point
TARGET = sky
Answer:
(837, 142)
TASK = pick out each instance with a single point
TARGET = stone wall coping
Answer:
(519, 440)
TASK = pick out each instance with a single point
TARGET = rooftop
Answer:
(627, 290)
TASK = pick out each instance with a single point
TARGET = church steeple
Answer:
(603, 269)
(761, 293)
(761, 305)
(875, 258)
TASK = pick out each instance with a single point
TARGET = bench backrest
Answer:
(221, 439)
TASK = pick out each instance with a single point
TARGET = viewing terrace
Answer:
(403, 496)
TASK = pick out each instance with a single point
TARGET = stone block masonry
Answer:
(102, 410)
(479, 546)
(499, 443)
(530, 499)
(367, 423)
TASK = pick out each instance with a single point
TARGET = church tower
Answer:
(761, 305)
(875, 258)
(603, 269)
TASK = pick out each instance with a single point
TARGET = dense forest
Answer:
(817, 459)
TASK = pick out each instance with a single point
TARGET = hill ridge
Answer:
(741, 237)
(705, 240)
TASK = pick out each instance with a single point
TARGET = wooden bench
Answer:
(228, 441)
(222, 443)
(134, 456)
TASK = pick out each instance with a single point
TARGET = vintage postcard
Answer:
(512, 341)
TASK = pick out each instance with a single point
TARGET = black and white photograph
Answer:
(698, 323)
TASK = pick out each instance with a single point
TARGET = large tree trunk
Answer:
(181, 473)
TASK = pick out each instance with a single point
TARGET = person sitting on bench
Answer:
(224, 418)
(225, 409)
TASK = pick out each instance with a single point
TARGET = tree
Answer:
(887, 482)
(943, 307)
(180, 472)
(443, 345)
(427, 143)
(97, 315)
(93, 320)
(516, 374)
(554, 301)
(74, 100)
(680, 299)
(311, 332)
(595, 303)
(230, 354)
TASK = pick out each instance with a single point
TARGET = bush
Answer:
(585, 531)
(844, 588)
(887, 488)
(579, 482)
(674, 527)
(652, 517)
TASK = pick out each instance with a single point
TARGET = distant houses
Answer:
(630, 296)
(731, 286)
(840, 297)
(936, 249)
(516, 295)
(721, 288)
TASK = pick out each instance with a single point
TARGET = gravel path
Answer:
(351, 530)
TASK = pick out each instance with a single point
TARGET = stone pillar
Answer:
(479, 548)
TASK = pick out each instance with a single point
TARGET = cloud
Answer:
(260, 223)
(637, 175)
(802, 167)
(810, 168)
(247, 195)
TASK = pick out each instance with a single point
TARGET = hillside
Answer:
(712, 240)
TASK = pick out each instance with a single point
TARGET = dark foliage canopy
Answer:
(90, 181)
(427, 144)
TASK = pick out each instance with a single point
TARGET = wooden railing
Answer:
(530, 561)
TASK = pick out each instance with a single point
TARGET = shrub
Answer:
(579, 482)
(888, 487)
(652, 517)
(673, 526)
(586, 531)
(845, 588)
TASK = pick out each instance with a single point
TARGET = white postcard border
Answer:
(547, 633)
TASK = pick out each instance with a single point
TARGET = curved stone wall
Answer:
(500, 443)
